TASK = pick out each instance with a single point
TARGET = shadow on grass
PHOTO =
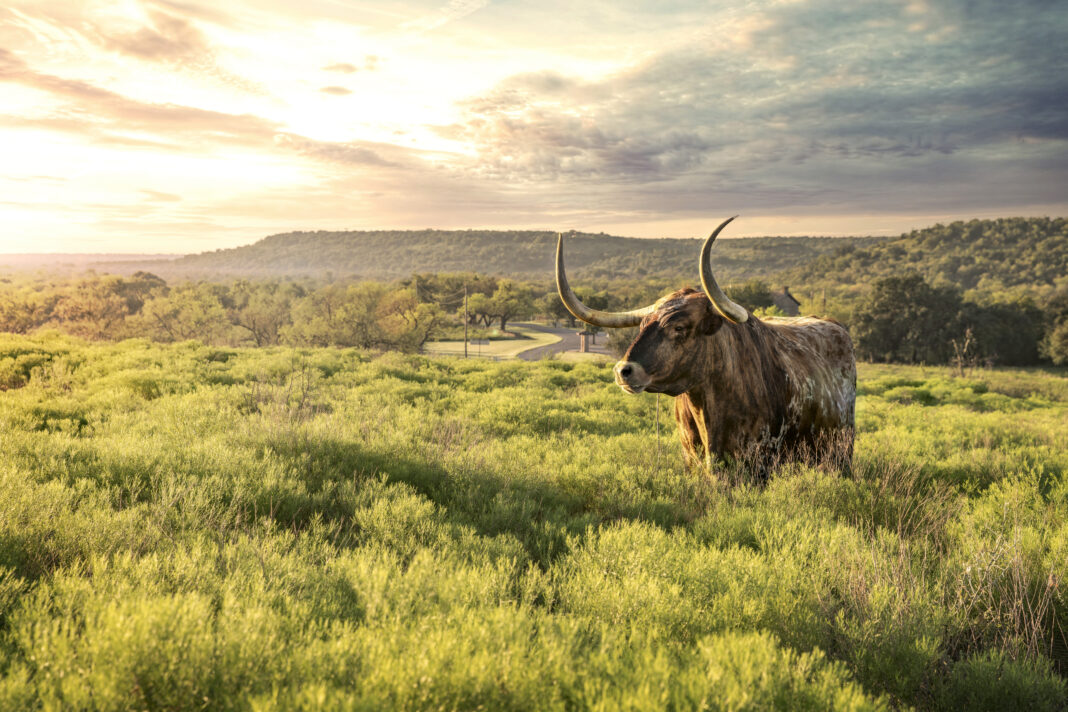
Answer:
(541, 516)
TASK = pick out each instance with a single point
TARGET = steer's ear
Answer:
(711, 321)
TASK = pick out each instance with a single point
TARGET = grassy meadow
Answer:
(186, 527)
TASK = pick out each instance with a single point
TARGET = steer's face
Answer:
(663, 357)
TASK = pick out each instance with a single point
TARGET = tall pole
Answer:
(465, 321)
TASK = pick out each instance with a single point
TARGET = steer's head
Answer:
(663, 358)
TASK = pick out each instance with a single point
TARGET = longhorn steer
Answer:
(750, 390)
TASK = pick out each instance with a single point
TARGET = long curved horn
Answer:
(611, 320)
(731, 310)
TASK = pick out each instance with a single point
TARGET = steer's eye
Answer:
(679, 330)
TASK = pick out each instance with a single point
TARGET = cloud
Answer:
(107, 117)
(349, 153)
(205, 13)
(165, 37)
(371, 62)
(160, 32)
(343, 67)
(95, 107)
(829, 103)
(450, 12)
(636, 113)
(159, 197)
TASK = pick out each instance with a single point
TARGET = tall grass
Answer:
(184, 527)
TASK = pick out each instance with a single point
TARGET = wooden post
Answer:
(465, 321)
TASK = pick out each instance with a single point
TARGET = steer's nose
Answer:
(631, 376)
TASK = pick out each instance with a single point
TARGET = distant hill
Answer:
(525, 254)
(985, 254)
(74, 261)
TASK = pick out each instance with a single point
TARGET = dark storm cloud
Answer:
(869, 101)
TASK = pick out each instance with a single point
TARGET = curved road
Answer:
(569, 341)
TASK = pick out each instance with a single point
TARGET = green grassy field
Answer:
(186, 528)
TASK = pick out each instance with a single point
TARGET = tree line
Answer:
(520, 254)
(905, 319)
(401, 315)
(988, 255)
(901, 318)
(256, 313)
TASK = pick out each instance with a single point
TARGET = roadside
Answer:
(568, 341)
(497, 349)
(539, 341)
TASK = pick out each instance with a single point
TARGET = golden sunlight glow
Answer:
(202, 124)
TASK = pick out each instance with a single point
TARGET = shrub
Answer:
(990, 680)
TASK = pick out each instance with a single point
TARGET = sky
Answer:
(179, 126)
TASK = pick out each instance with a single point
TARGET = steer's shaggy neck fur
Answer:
(756, 391)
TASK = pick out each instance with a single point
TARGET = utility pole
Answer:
(465, 321)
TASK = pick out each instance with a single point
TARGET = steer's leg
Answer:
(694, 449)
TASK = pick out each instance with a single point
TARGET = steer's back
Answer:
(821, 371)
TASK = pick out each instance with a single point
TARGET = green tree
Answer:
(447, 289)
(337, 315)
(23, 308)
(262, 309)
(594, 300)
(135, 290)
(406, 323)
(1055, 343)
(905, 319)
(512, 300)
(752, 295)
(551, 307)
(96, 308)
(187, 311)
(1006, 333)
(368, 315)
(480, 309)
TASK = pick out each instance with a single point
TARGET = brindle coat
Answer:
(774, 389)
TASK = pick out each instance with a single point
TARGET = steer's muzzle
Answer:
(631, 377)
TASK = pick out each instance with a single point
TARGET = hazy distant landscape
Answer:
(1006, 252)
(81, 261)
(386, 255)
(998, 285)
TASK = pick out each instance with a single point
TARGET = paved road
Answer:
(569, 341)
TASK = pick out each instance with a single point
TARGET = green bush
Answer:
(991, 681)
